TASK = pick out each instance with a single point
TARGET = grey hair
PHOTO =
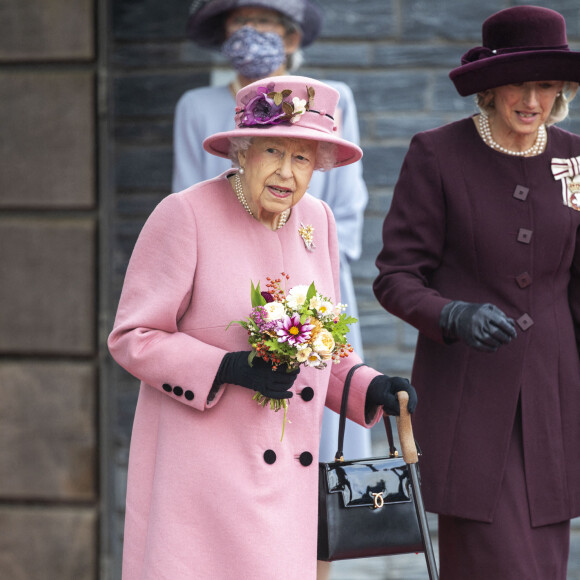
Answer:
(559, 112)
(295, 59)
(325, 152)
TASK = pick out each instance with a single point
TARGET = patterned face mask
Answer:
(254, 54)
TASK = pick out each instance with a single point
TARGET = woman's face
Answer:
(521, 108)
(277, 172)
(263, 20)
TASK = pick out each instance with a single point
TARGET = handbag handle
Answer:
(338, 456)
(404, 427)
(342, 422)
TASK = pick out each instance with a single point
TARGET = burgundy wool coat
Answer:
(469, 223)
(213, 493)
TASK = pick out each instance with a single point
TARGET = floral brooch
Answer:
(307, 235)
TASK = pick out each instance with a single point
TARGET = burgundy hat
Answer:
(520, 44)
(205, 25)
(286, 106)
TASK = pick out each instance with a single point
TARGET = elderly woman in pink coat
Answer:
(213, 491)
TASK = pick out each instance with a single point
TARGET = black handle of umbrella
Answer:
(405, 429)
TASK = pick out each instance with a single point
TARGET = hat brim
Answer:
(346, 152)
(519, 67)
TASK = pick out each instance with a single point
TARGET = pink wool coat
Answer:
(212, 491)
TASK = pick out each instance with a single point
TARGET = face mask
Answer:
(254, 54)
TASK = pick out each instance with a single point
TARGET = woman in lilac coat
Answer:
(482, 254)
(213, 492)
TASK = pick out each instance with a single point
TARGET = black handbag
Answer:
(366, 506)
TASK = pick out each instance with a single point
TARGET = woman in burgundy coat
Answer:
(482, 255)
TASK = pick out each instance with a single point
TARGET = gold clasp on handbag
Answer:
(379, 501)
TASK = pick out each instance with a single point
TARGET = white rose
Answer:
(324, 344)
(297, 296)
(275, 310)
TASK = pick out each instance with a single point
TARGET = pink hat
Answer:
(520, 44)
(286, 106)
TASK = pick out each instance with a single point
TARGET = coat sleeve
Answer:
(413, 241)
(145, 339)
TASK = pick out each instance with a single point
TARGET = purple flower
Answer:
(267, 296)
(260, 317)
(291, 330)
(262, 110)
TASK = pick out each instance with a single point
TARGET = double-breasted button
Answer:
(177, 391)
(307, 393)
(269, 456)
(524, 280)
(525, 321)
(189, 395)
(305, 458)
(521, 192)
(524, 236)
(167, 388)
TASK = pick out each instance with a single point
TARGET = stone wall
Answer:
(48, 301)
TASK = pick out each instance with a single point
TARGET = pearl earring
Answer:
(241, 171)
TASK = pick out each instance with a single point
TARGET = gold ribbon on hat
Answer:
(567, 171)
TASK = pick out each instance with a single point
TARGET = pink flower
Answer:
(291, 330)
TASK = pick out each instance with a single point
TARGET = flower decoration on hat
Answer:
(270, 107)
(567, 171)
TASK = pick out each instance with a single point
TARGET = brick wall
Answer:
(394, 54)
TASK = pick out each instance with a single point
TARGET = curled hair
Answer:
(325, 152)
(485, 102)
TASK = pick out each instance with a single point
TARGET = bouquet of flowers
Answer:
(300, 327)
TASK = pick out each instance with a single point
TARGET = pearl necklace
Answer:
(239, 190)
(535, 149)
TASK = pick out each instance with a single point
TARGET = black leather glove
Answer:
(260, 377)
(481, 326)
(383, 391)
